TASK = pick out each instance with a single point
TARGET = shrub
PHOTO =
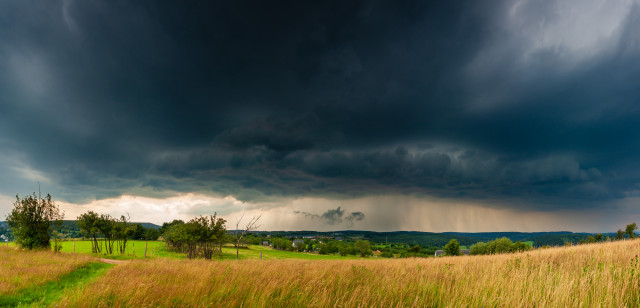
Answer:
(452, 248)
(31, 221)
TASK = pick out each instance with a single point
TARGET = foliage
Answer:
(501, 245)
(363, 247)
(452, 248)
(31, 221)
(89, 225)
(479, 248)
(631, 228)
(201, 237)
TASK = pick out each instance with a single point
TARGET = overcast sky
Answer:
(330, 115)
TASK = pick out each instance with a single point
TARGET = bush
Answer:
(452, 248)
(31, 221)
(479, 248)
(200, 237)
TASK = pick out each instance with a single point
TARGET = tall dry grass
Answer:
(22, 268)
(590, 275)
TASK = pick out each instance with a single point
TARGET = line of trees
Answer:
(501, 245)
(200, 237)
(107, 234)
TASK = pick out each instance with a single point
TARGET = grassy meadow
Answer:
(20, 269)
(605, 274)
(156, 249)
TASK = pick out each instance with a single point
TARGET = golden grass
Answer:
(589, 275)
(22, 268)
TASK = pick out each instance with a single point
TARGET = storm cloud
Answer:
(524, 105)
(334, 216)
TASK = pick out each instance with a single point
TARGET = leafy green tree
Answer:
(363, 247)
(502, 245)
(479, 248)
(452, 248)
(415, 249)
(520, 246)
(620, 234)
(387, 254)
(630, 230)
(150, 234)
(106, 226)
(31, 221)
(167, 225)
(88, 224)
(123, 231)
(599, 237)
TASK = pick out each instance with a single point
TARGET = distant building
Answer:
(265, 243)
(465, 251)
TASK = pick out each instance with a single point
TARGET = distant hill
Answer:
(71, 230)
(429, 239)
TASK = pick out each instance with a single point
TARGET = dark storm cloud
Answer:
(334, 216)
(260, 100)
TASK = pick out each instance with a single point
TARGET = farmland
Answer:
(601, 274)
(156, 249)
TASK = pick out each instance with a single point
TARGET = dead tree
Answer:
(250, 226)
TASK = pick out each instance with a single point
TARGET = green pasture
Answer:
(253, 252)
(157, 249)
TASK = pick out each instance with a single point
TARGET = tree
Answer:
(167, 225)
(599, 237)
(250, 226)
(56, 235)
(106, 225)
(630, 230)
(452, 248)
(88, 224)
(123, 231)
(502, 245)
(363, 247)
(31, 221)
(479, 248)
(209, 234)
(620, 234)
(415, 249)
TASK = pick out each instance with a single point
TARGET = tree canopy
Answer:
(31, 221)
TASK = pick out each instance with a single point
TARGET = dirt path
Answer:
(110, 261)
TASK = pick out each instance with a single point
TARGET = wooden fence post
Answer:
(145, 249)
(134, 249)
(74, 245)
(261, 255)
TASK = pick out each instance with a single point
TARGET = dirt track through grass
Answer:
(48, 293)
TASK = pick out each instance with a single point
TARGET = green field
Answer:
(156, 249)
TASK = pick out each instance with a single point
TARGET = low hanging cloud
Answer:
(334, 216)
